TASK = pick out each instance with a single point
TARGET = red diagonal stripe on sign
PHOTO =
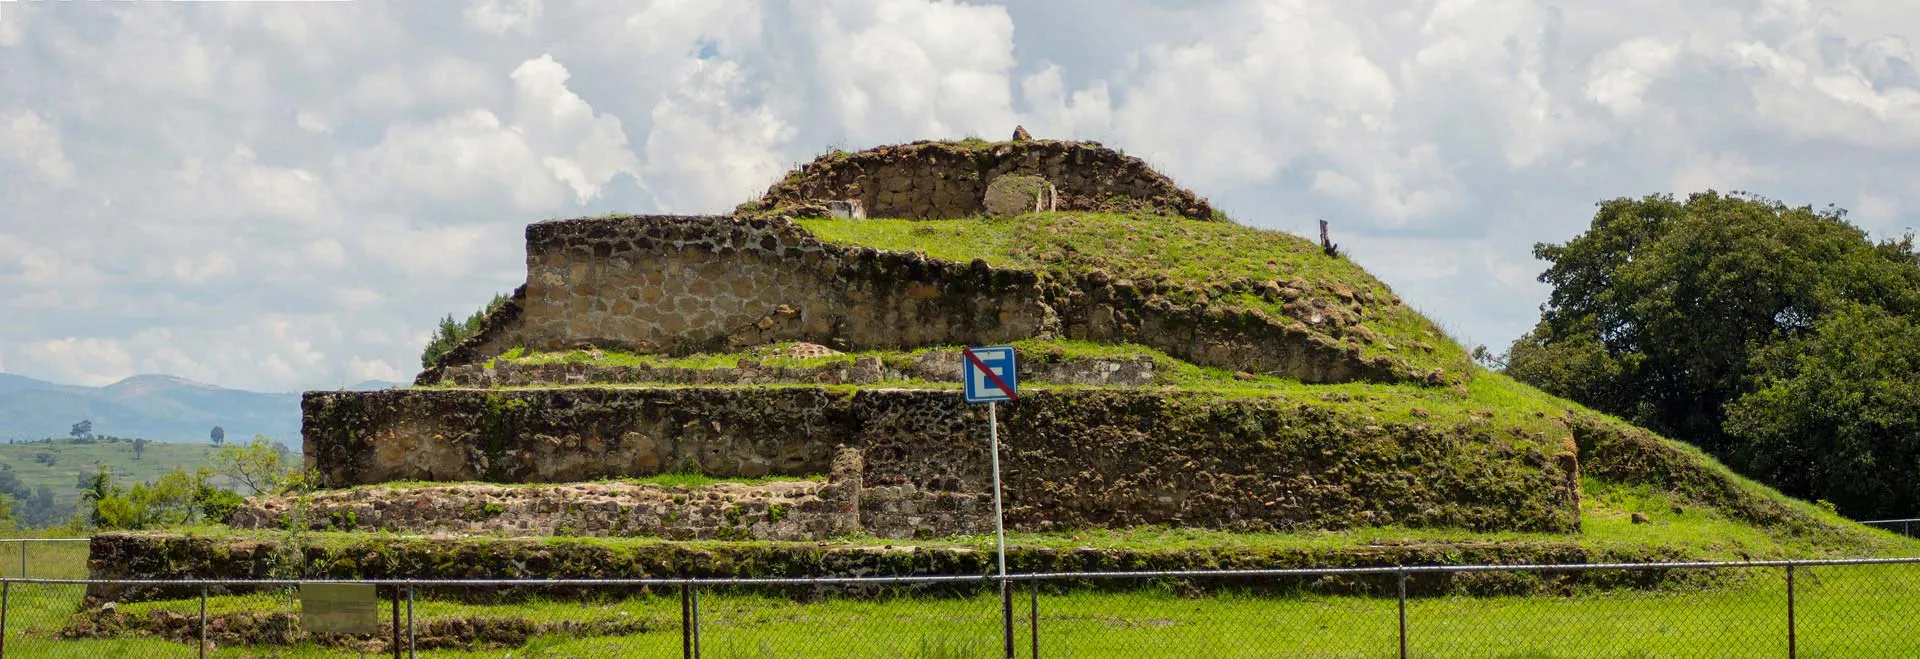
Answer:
(991, 377)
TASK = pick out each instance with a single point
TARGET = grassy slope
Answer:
(1186, 258)
(1836, 603)
(1503, 402)
(1204, 256)
(1496, 400)
(72, 461)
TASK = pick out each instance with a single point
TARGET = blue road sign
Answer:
(989, 374)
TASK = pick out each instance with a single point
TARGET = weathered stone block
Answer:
(1073, 457)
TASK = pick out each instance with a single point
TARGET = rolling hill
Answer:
(158, 407)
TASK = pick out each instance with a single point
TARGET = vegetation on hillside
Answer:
(451, 332)
(184, 497)
(1218, 264)
(61, 482)
(1779, 339)
(1600, 280)
(45, 478)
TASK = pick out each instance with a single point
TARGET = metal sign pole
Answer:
(984, 385)
(999, 530)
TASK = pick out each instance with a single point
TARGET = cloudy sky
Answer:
(280, 196)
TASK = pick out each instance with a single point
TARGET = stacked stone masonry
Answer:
(933, 180)
(1073, 458)
(684, 285)
(158, 556)
(931, 366)
(779, 510)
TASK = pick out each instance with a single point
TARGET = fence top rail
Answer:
(26, 540)
(1031, 576)
(1888, 521)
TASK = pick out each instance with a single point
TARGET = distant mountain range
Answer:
(158, 407)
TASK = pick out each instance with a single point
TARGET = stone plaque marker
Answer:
(1014, 194)
(846, 209)
(328, 608)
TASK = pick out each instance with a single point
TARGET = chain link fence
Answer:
(1906, 527)
(54, 558)
(1850, 608)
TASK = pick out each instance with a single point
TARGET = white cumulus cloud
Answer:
(290, 195)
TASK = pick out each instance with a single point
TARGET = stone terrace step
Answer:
(169, 556)
(931, 366)
(790, 510)
(779, 510)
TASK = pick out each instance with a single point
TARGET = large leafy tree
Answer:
(1837, 413)
(1666, 311)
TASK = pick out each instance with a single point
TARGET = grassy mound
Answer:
(1211, 264)
(1614, 457)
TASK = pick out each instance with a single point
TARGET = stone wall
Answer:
(797, 510)
(929, 180)
(931, 366)
(171, 556)
(681, 285)
(1074, 458)
(780, 510)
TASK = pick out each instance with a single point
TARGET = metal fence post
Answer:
(6, 590)
(23, 559)
(1792, 642)
(1006, 613)
(1402, 572)
(203, 620)
(396, 622)
(410, 639)
(686, 621)
(696, 622)
(1033, 612)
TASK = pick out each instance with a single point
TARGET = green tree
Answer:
(41, 510)
(1657, 308)
(451, 333)
(1836, 414)
(177, 497)
(260, 465)
(82, 430)
(1665, 311)
(105, 500)
(218, 435)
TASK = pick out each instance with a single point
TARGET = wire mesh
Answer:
(1857, 610)
(43, 558)
(1199, 616)
(1906, 527)
(737, 622)
(1862, 609)
(1682, 612)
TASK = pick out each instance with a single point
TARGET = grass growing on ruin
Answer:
(1699, 532)
(1674, 527)
(1498, 400)
(1184, 259)
(666, 480)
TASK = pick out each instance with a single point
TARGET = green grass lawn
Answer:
(1840, 612)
